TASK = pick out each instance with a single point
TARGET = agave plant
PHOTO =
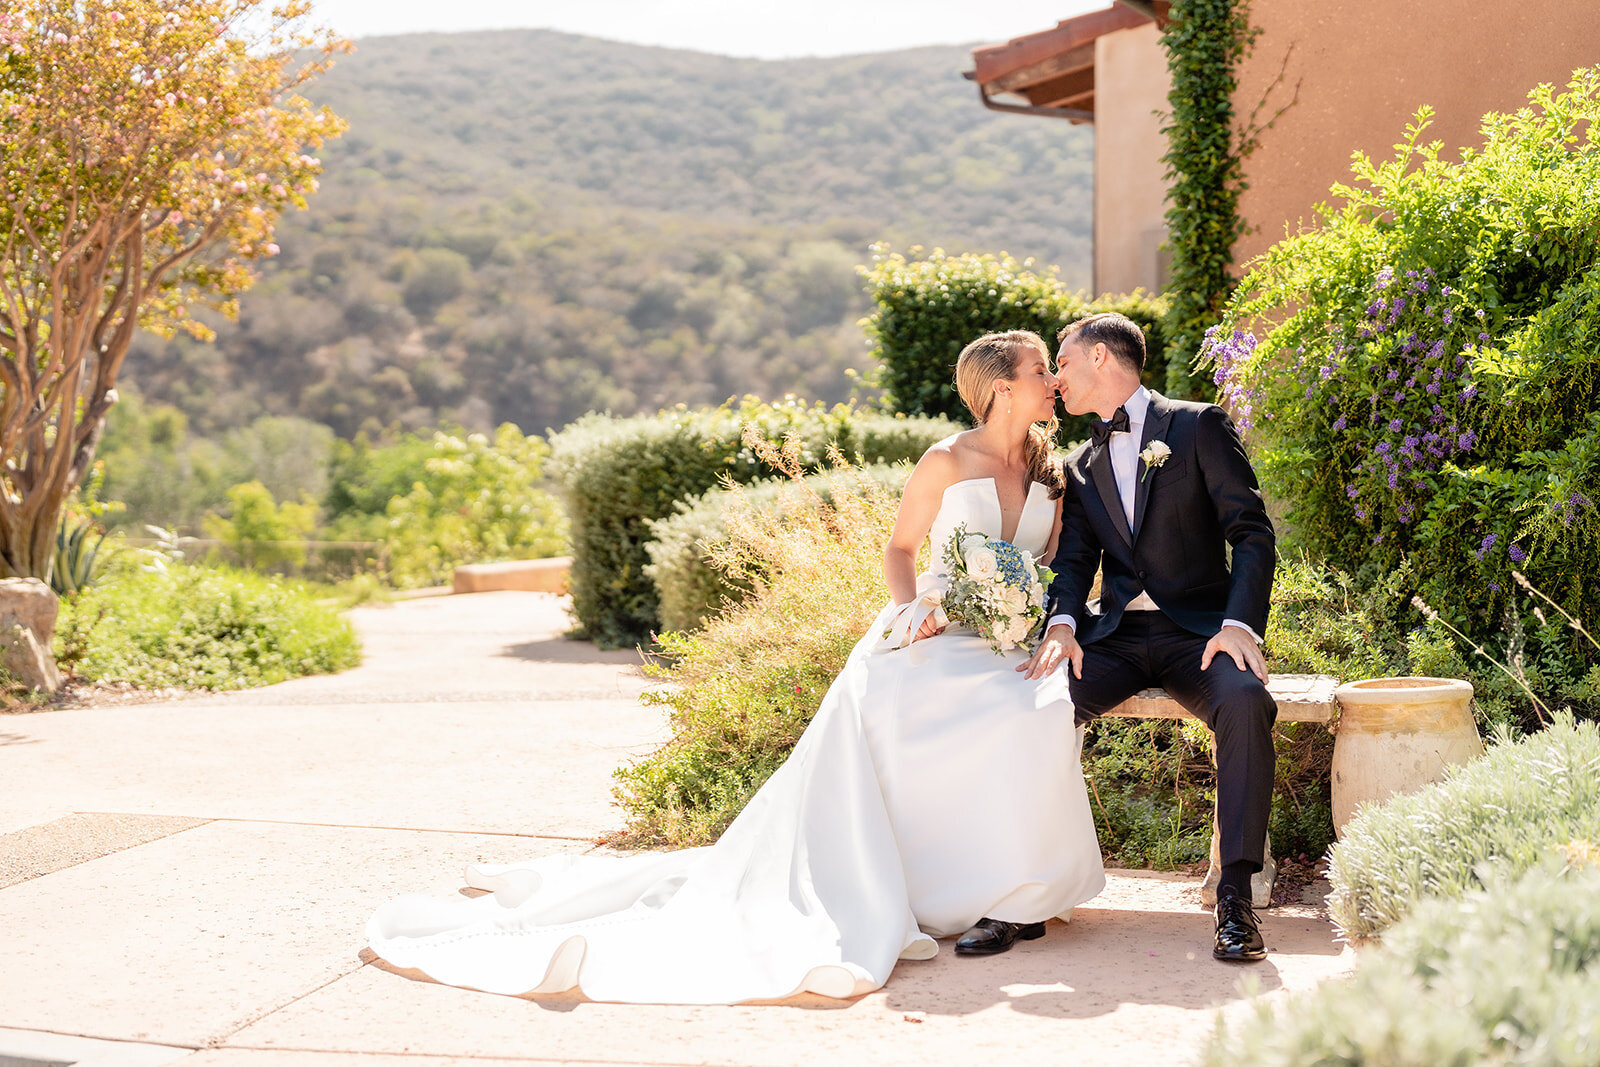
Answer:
(72, 567)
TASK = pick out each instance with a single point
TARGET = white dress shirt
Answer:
(1125, 469)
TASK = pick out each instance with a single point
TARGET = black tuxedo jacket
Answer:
(1185, 514)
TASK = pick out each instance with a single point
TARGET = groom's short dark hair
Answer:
(1120, 334)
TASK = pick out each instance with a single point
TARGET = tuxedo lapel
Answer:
(1106, 482)
(1156, 420)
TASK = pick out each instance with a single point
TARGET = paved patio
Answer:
(188, 882)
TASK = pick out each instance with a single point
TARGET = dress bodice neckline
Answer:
(1033, 526)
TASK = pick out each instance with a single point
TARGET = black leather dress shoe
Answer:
(1238, 935)
(992, 935)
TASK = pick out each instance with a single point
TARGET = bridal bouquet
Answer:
(995, 587)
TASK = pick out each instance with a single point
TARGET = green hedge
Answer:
(1428, 389)
(690, 588)
(1502, 811)
(199, 628)
(928, 309)
(1505, 975)
(618, 475)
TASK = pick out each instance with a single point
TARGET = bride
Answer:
(936, 791)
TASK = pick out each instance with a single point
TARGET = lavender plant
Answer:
(1420, 375)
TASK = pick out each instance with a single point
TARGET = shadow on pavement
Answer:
(1101, 961)
(564, 650)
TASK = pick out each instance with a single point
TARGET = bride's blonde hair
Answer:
(994, 357)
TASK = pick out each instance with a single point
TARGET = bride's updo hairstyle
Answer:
(994, 357)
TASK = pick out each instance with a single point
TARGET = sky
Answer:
(760, 28)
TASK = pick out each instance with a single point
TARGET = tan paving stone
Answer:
(239, 1057)
(27, 1048)
(186, 939)
(536, 767)
(76, 839)
(496, 646)
(1130, 979)
(470, 713)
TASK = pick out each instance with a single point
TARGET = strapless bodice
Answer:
(975, 503)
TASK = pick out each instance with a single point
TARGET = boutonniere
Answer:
(1154, 455)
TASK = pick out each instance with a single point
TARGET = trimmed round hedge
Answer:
(618, 475)
(929, 308)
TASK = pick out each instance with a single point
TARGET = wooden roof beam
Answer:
(1080, 58)
(1081, 102)
(1072, 84)
(996, 61)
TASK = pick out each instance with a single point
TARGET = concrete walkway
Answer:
(188, 882)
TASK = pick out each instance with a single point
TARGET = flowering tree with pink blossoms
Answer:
(147, 149)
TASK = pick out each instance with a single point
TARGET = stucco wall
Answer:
(1364, 69)
(1130, 74)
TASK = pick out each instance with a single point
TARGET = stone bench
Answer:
(525, 575)
(1300, 697)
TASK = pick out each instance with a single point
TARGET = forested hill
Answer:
(525, 225)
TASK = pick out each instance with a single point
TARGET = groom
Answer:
(1154, 500)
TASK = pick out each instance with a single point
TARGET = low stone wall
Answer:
(524, 575)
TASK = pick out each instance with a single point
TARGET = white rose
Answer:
(972, 541)
(982, 564)
(1027, 559)
(1010, 635)
(1015, 599)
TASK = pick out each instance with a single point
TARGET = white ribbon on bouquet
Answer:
(908, 618)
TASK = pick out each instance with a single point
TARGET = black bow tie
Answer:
(1103, 430)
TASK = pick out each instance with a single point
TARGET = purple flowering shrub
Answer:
(1419, 376)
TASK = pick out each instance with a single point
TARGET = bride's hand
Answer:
(928, 629)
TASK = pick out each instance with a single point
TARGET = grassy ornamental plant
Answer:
(618, 475)
(1420, 377)
(690, 586)
(742, 690)
(1509, 974)
(1499, 813)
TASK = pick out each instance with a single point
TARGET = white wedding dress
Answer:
(935, 786)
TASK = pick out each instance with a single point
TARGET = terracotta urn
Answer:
(1396, 735)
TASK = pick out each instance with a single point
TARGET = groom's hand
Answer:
(1240, 646)
(1059, 643)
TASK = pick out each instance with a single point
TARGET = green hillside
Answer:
(524, 226)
